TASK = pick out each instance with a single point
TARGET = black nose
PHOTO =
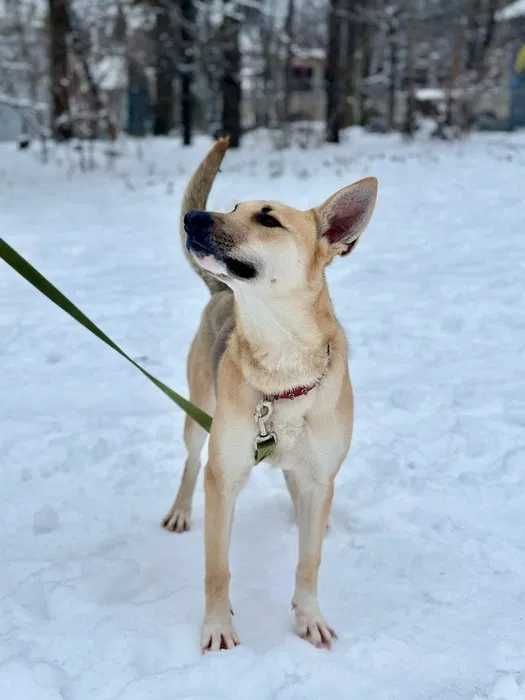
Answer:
(196, 221)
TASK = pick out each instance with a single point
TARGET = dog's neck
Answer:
(283, 340)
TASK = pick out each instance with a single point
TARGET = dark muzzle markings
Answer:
(205, 236)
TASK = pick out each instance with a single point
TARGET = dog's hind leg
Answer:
(201, 394)
(179, 516)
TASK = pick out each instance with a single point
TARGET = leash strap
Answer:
(24, 268)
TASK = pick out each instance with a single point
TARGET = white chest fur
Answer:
(290, 423)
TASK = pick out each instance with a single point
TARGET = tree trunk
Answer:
(364, 51)
(164, 71)
(349, 72)
(490, 26)
(473, 36)
(481, 24)
(231, 80)
(265, 104)
(392, 85)
(79, 49)
(409, 126)
(452, 114)
(59, 27)
(209, 58)
(333, 73)
(288, 76)
(187, 41)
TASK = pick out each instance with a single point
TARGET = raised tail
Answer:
(196, 196)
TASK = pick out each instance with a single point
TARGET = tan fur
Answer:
(273, 333)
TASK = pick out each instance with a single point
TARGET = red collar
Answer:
(297, 391)
(294, 392)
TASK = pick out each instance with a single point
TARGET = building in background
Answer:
(308, 95)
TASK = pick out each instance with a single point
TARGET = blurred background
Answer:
(86, 69)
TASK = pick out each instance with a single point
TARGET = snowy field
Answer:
(423, 574)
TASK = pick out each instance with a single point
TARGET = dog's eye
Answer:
(267, 220)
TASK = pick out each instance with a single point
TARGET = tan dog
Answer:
(274, 338)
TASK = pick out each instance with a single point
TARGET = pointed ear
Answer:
(345, 215)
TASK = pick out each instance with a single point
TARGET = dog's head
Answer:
(265, 244)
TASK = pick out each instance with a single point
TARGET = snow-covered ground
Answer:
(424, 565)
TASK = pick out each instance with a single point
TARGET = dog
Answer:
(268, 344)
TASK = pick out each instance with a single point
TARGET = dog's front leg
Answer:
(221, 491)
(314, 499)
(229, 463)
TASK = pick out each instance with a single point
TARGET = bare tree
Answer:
(59, 28)
(267, 31)
(187, 45)
(364, 32)
(231, 77)
(80, 49)
(393, 17)
(409, 123)
(288, 76)
(333, 73)
(183, 59)
(164, 69)
(349, 62)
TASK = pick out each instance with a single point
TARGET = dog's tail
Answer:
(196, 196)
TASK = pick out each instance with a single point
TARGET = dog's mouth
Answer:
(199, 248)
(240, 268)
(210, 256)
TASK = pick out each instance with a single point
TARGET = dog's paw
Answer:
(217, 635)
(177, 520)
(311, 626)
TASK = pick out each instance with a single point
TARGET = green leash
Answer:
(28, 272)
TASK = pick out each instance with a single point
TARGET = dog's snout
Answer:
(196, 221)
(199, 229)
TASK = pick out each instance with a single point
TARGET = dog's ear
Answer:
(345, 215)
